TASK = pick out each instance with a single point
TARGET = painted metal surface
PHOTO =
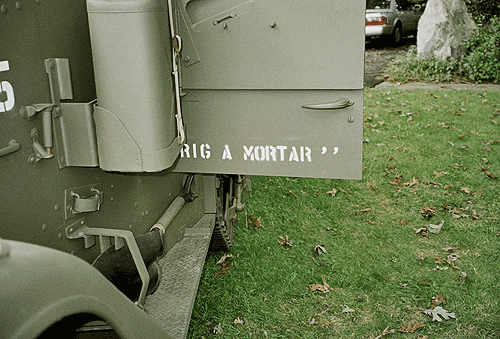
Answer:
(273, 88)
(33, 196)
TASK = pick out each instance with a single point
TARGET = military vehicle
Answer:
(128, 131)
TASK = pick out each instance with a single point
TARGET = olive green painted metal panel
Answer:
(37, 291)
(272, 44)
(33, 196)
(268, 132)
(135, 124)
(254, 72)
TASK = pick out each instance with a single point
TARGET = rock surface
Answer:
(442, 29)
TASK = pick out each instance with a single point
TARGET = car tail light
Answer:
(378, 21)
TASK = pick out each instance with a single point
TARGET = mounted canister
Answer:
(135, 112)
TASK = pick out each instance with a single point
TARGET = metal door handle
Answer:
(339, 104)
(12, 147)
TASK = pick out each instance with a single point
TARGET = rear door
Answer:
(272, 87)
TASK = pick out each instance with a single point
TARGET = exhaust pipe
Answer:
(118, 265)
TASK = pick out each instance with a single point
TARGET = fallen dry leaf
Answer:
(285, 241)
(428, 211)
(435, 228)
(385, 332)
(318, 249)
(422, 230)
(439, 174)
(412, 183)
(347, 309)
(440, 260)
(334, 191)
(466, 190)
(439, 311)
(224, 269)
(462, 275)
(238, 321)
(488, 173)
(325, 288)
(364, 211)
(437, 300)
(292, 193)
(397, 180)
(223, 259)
(257, 223)
(412, 328)
(218, 329)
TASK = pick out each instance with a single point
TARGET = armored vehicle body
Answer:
(128, 131)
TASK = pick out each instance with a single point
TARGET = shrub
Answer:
(481, 61)
(482, 57)
(410, 67)
(482, 11)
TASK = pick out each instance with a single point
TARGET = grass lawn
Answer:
(429, 157)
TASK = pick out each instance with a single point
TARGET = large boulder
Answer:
(443, 28)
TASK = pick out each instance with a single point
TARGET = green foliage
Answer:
(481, 61)
(482, 58)
(483, 11)
(410, 67)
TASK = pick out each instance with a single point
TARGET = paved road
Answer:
(378, 55)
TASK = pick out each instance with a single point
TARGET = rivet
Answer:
(273, 24)
(71, 230)
(111, 198)
(224, 26)
(44, 227)
(147, 212)
(187, 59)
(350, 120)
(56, 207)
(19, 6)
(3, 9)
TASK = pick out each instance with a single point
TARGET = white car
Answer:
(392, 19)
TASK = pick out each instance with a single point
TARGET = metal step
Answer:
(171, 304)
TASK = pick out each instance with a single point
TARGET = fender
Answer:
(42, 286)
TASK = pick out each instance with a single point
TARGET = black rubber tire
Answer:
(396, 35)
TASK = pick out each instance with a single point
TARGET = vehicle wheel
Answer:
(396, 35)
(225, 219)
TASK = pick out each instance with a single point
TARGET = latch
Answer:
(82, 199)
(72, 123)
(40, 151)
(60, 88)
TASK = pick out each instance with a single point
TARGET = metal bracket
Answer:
(72, 123)
(79, 230)
(40, 151)
(82, 199)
